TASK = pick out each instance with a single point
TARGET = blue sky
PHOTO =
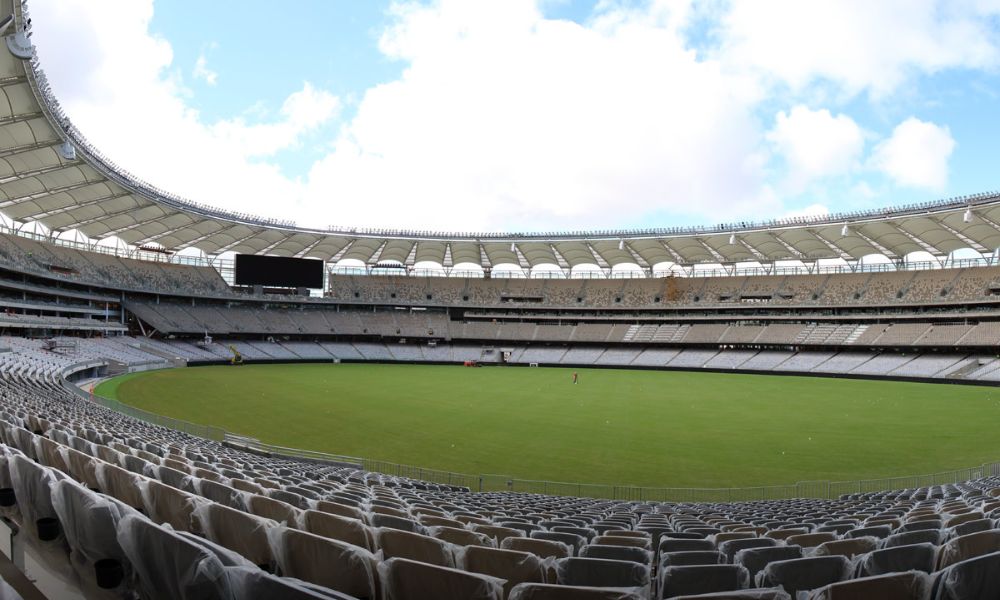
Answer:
(524, 115)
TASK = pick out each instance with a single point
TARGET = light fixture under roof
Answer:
(732, 239)
(967, 217)
(621, 244)
(844, 231)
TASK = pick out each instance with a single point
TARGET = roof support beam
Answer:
(885, 251)
(205, 236)
(305, 251)
(39, 171)
(49, 192)
(235, 243)
(715, 254)
(29, 148)
(678, 259)
(85, 222)
(972, 243)
(840, 252)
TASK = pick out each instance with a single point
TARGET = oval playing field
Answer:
(649, 428)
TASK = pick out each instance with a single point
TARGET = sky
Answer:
(534, 115)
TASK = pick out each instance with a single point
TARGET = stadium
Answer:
(305, 412)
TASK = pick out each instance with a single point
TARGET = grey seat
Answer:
(643, 557)
(572, 540)
(585, 532)
(683, 545)
(803, 574)
(914, 557)
(326, 562)
(393, 522)
(924, 536)
(875, 531)
(692, 557)
(33, 490)
(168, 566)
(970, 579)
(254, 584)
(731, 547)
(223, 494)
(970, 527)
(755, 559)
(601, 572)
(404, 579)
(542, 591)
(90, 523)
(702, 579)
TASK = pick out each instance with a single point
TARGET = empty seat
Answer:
(324, 561)
(241, 532)
(414, 546)
(619, 540)
(223, 494)
(968, 527)
(33, 490)
(755, 559)
(343, 510)
(176, 479)
(692, 557)
(803, 574)
(121, 484)
(510, 565)
(639, 555)
(166, 504)
(893, 586)
(541, 591)
(340, 528)
(404, 579)
(927, 536)
(915, 557)
(682, 545)
(600, 572)
(970, 579)
(968, 546)
(249, 583)
(849, 547)
(731, 547)
(538, 547)
(393, 522)
(576, 542)
(498, 533)
(810, 540)
(168, 566)
(876, 531)
(276, 510)
(90, 523)
(462, 537)
(702, 579)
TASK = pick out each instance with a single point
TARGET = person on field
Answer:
(576, 377)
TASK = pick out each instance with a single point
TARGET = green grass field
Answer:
(649, 428)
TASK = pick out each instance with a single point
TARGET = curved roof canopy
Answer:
(49, 173)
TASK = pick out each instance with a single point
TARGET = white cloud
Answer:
(503, 119)
(815, 143)
(813, 210)
(134, 107)
(201, 70)
(858, 44)
(916, 155)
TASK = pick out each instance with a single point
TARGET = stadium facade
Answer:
(108, 504)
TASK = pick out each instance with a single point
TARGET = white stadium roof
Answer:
(50, 174)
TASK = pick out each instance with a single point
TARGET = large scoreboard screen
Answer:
(279, 271)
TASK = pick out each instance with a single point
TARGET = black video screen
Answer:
(279, 271)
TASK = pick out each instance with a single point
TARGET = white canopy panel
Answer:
(49, 173)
